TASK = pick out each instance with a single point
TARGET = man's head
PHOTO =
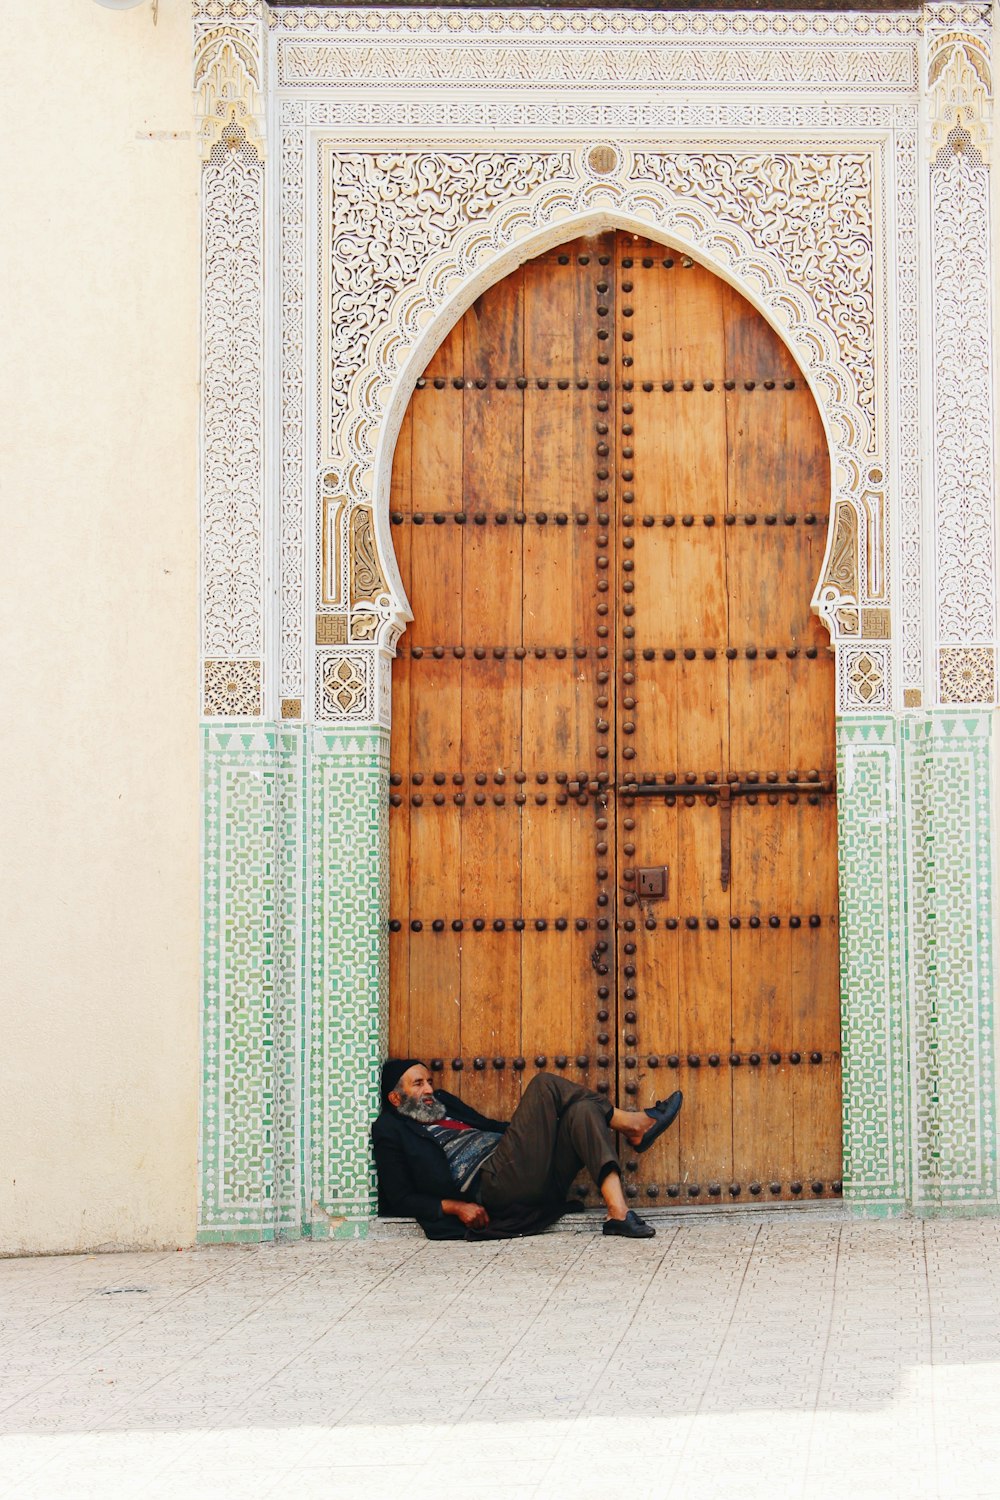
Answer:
(408, 1087)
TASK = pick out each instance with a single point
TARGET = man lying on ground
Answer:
(451, 1168)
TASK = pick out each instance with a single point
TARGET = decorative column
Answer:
(946, 749)
(959, 104)
(253, 770)
(228, 69)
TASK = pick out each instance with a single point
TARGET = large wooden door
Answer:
(613, 825)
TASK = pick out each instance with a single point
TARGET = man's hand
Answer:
(472, 1215)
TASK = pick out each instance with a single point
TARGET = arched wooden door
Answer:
(613, 823)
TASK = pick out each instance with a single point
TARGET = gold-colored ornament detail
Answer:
(364, 626)
(602, 160)
(343, 686)
(876, 624)
(331, 630)
(967, 674)
(232, 689)
(865, 676)
(912, 697)
(367, 578)
(843, 569)
(291, 708)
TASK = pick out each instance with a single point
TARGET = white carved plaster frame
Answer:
(400, 78)
(509, 239)
(487, 256)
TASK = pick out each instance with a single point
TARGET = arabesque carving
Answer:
(411, 231)
(367, 578)
(392, 212)
(232, 399)
(842, 567)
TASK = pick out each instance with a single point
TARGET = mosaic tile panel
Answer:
(349, 773)
(871, 937)
(950, 975)
(253, 850)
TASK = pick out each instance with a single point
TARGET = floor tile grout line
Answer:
(286, 1286)
(931, 1370)
(823, 1363)
(122, 1409)
(359, 1299)
(669, 1494)
(661, 1259)
(92, 1353)
(341, 1420)
(554, 1287)
(7, 1345)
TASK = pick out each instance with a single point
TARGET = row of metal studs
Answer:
(520, 799)
(601, 956)
(593, 781)
(563, 383)
(561, 1060)
(563, 518)
(581, 924)
(734, 1189)
(649, 653)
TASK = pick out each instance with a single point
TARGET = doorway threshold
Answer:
(589, 1221)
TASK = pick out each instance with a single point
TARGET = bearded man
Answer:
(456, 1171)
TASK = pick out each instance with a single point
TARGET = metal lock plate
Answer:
(653, 881)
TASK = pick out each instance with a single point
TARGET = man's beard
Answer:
(424, 1111)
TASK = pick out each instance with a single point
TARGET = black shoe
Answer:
(630, 1228)
(664, 1113)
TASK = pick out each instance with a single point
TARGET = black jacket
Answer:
(413, 1173)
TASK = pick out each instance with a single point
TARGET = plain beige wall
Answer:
(99, 828)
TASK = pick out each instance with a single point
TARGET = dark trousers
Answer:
(557, 1128)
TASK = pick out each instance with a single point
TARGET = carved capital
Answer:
(960, 92)
(229, 82)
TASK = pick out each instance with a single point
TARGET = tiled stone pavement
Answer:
(798, 1356)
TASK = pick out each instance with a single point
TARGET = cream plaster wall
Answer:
(99, 836)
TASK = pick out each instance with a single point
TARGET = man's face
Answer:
(414, 1097)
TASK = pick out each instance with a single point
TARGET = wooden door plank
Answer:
(492, 456)
(677, 320)
(448, 361)
(561, 310)
(491, 1016)
(437, 452)
(811, 689)
(760, 713)
(434, 957)
(546, 967)
(493, 332)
